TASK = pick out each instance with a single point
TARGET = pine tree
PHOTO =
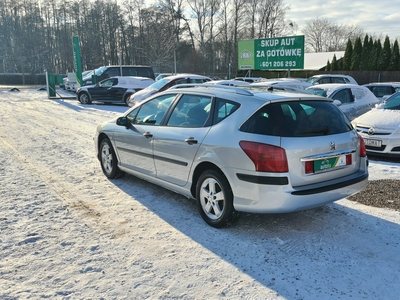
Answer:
(394, 64)
(356, 57)
(340, 64)
(334, 65)
(373, 54)
(328, 66)
(384, 56)
(347, 56)
(365, 54)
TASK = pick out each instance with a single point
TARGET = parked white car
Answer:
(383, 90)
(331, 78)
(380, 128)
(164, 84)
(353, 100)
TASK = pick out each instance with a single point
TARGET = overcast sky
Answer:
(375, 17)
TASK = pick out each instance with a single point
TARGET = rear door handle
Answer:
(191, 140)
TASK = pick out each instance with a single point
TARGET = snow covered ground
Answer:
(66, 232)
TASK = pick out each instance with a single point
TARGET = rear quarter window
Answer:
(224, 108)
(297, 119)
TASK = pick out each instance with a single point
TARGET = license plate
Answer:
(373, 143)
(329, 163)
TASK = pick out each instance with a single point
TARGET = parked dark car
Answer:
(112, 90)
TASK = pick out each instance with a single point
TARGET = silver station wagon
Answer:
(237, 149)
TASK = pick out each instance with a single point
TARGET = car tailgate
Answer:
(314, 160)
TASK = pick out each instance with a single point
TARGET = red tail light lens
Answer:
(363, 149)
(266, 158)
(349, 160)
(309, 167)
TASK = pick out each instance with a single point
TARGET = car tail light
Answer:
(363, 149)
(266, 158)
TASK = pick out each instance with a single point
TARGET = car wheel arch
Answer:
(87, 94)
(127, 96)
(100, 138)
(200, 168)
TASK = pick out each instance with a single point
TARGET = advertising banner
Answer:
(281, 53)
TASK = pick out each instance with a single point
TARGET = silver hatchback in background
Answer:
(237, 150)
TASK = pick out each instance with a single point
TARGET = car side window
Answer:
(190, 111)
(151, 112)
(339, 80)
(324, 80)
(111, 72)
(359, 93)
(108, 83)
(344, 96)
(129, 71)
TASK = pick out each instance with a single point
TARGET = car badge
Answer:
(333, 145)
(371, 131)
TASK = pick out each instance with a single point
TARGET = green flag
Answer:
(77, 60)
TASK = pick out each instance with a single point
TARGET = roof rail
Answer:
(226, 88)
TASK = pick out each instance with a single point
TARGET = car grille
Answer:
(376, 131)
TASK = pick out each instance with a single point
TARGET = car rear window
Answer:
(297, 119)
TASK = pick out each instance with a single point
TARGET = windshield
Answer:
(157, 85)
(87, 73)
(100, 71)
(312, 80)
(393, 102)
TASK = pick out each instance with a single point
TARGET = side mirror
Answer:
(123, 121)
(337, 102)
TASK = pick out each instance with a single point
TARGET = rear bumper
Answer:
(261, 198)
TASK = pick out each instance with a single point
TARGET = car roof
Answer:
(258, 93)
(185, 75)
(229, 81)
(335, 86)
(331, 75)
(397, 84)
(131, 77)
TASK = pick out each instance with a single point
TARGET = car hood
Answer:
(85, 87)
(383, 118)
(143, 94)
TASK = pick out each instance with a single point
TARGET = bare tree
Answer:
(322, 35)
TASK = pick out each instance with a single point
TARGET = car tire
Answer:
(84, 98)
(215, 200)
(126, 99)
(108, 160)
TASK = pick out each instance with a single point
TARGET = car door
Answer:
(135, 143)
(364, 100)
(102, 90)
(176, 144)
(346, 99)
